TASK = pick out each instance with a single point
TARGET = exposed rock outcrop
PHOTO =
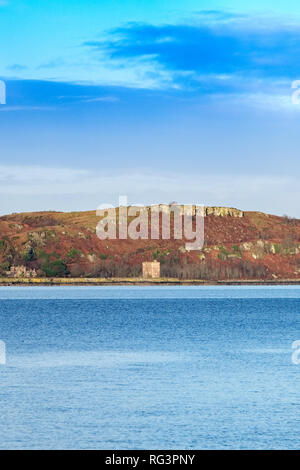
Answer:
(223, 212)
(206, 211)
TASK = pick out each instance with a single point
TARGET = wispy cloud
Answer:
(16, 67)
(252, 192)
(103, 99)
(212, 53)
(217, 52)
(52, 64)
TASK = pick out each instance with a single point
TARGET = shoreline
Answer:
(141, 282)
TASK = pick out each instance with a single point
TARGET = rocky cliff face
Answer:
(223, 212)
(191, 210)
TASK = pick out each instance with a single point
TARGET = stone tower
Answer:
(151, 269)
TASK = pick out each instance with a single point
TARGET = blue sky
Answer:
(158, 100)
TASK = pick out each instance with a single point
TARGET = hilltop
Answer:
(238, 245)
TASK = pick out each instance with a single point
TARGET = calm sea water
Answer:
(149, 367)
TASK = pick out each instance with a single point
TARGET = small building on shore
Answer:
(21, 271)
(151, 269)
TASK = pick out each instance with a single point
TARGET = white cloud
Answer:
(105, 99)
(90, 68)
